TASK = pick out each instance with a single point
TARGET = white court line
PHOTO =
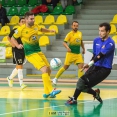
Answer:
(47, 107)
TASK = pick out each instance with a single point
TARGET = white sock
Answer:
(20, 76)
(13, 74)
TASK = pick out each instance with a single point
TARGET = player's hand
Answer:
(83, 52)
(20, 46)
(52, 31)
(84, 67)
(68, 50)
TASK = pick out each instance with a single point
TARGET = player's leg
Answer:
(10, 78)
(20, 76)
(65, 67)
(79, 62)
(19, 56)
(79, 88)
(89, 79)
(38, 60)
(47, 80)
(80, 73)
(14, 72)
(94, 76)
(59, 73)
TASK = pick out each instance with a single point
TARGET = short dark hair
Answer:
(75, 22)
(27, 14)
(21, 19)
(106, 25)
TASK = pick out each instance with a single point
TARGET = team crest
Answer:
(77, 40)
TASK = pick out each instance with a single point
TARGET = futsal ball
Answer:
(55, 63)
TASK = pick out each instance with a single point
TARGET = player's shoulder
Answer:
(97, 39)
(111, 41)
(70, 32)
(36, 25)
(20, 28)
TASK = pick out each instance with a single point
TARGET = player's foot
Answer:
(10, 82)
(55, 81)
(98, 96)
(71, 101)
(46, 95)
(23, 86)
(54, 93)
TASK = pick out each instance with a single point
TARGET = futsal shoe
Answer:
(54, 93)
(71, 101)
(23, 86)
(98, 96)
(10, 82)
(55, 81)
(46, 95)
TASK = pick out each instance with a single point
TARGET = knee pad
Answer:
(85, 90)
(80, 84)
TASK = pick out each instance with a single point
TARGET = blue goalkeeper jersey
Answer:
(107, 48)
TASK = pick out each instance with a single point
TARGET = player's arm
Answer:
(47, 30)
(106, 50)
(9, 38)
(95, 58)
(83, 48)
(19, 46)
(15, 36)
(66, 46)
(66, 40)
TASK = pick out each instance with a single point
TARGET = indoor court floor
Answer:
(30, 103)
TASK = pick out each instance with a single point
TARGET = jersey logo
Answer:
(111, 44)
(16, 31)
(77, 40)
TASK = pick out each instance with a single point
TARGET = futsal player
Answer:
(73, 55)
(29, 36)
(18, 58)
(99, 67)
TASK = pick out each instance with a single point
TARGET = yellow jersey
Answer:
(29, 37)
(74, 39)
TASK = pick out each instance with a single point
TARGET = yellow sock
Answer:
(60, 72)
(80, 73)
(46, 91)
(47, 83)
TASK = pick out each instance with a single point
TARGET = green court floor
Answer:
(30, 103)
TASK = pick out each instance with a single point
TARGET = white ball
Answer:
(55, 63)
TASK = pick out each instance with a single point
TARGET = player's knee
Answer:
(44, 69)
(85, 90)
(80, 66)
(66, 67)
(49, 70)
(80, 84)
